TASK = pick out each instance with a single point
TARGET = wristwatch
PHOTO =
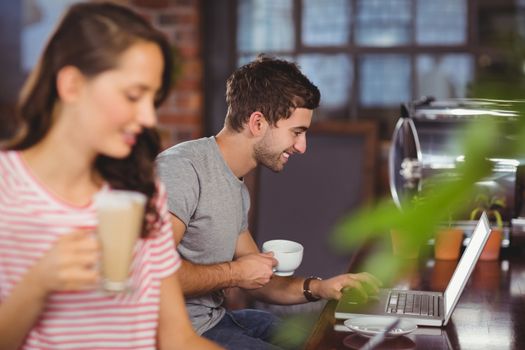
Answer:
(306, 288)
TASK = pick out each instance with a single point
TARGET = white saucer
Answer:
(369, 326)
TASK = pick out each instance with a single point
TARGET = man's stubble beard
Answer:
(265, 157)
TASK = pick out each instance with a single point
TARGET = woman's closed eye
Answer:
(133, 97)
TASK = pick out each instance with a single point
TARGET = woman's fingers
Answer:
(72, 262)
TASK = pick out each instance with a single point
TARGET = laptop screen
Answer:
(466, 265)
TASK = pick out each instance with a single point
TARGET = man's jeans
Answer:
(245, 330)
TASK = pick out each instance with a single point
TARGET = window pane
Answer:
(265, 25)
(445, 76)
(383, 23)
(40, 19)
(325, 23)
(333, 76)
(521, 17)
(384, 80)
(441, 22)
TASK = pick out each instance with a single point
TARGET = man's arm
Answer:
(251, 270)
(289, 290)
(280, 290)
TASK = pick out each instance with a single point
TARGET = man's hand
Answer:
(364, 283)
(253, 270)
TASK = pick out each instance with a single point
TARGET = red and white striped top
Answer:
(31, 219)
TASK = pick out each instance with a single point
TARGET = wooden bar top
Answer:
(490, 313)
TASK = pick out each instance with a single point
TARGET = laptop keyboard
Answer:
(413, 304)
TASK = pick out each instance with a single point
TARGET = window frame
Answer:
(354, 110)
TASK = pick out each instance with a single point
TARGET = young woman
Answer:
(85, 119)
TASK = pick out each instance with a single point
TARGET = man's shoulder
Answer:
(189, 150)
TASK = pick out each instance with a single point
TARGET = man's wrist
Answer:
(307, 288)
(231, 273)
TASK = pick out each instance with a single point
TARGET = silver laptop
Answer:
(422, 307)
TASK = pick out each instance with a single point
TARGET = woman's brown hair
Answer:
(92, 37)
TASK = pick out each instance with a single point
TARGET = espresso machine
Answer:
(427, 143)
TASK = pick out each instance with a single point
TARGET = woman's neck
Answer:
(64, 168)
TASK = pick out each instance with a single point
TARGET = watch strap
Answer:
(306, 288)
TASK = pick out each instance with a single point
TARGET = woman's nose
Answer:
(148, 115)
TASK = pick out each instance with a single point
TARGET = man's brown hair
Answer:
(271, 86)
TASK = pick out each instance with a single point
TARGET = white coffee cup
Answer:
(288, 254)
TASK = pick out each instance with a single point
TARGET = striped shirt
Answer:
(31, 220)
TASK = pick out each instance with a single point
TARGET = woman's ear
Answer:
(257, 124)
(69, 83)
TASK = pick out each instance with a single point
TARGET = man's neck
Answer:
(237, 150)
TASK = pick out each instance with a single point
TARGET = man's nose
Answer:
(300, 145)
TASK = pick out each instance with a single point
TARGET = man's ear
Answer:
(257, 124)
(69, 82)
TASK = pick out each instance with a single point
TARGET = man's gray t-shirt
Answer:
(213, 204)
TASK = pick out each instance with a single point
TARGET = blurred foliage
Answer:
(498, 78)
(294, 330)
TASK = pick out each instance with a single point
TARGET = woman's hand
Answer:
(70, 265)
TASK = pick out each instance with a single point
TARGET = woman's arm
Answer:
(175, 330)
(69, 265)
(19, 311)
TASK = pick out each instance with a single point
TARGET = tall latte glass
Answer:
(120, 215)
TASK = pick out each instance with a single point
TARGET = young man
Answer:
(270, 106)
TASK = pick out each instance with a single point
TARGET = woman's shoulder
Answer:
(14, 176)
(9, 161)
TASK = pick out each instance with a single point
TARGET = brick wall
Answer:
(181, 116)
